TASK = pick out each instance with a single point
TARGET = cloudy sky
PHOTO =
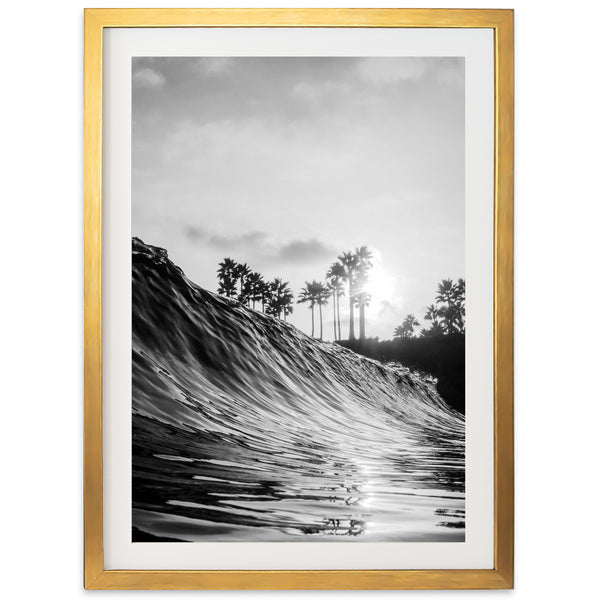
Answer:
(284, 163)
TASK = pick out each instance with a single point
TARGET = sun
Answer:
(380, 284)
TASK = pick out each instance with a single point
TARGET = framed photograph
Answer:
(298, 299)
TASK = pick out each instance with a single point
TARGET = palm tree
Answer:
(445, 292)
(432, 314)
(410, 323)
(322, 293)
(363, 299)
(336, 289)
(287, 305)
(363, 257)
(413, 322)
(335, 281)
(407, 329)
(252, 287)
(308, 296)
(451, 298)
(226, 274)
(241, 271)
(459, 301)
(447, 310)
(281, 297)
(349, 262)
(284, 299)
(264, 294)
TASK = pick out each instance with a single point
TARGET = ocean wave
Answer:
(245, 428)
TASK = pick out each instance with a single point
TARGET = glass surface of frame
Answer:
(96, 575)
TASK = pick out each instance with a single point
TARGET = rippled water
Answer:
(245, 429)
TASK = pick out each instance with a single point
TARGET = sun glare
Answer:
(380, 285)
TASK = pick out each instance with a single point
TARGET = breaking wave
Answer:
(246, 429)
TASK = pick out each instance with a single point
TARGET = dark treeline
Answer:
(439, 350)
(237, 280)
(442, 356)
(447, 314)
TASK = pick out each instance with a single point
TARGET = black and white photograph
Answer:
(298, 299)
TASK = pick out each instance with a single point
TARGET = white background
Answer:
(557, 297)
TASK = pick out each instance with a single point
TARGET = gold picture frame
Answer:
(501, 576)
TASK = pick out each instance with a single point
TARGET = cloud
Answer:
(305, 251)
(149, 78)
(224, 242)
(253, 238)
(258, 244)
(195, 234)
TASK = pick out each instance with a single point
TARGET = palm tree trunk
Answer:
(320, 321)
(351, 335)
(361, 317)
(337, 315)
(312, 321)
(334, 319)
(339, 326)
